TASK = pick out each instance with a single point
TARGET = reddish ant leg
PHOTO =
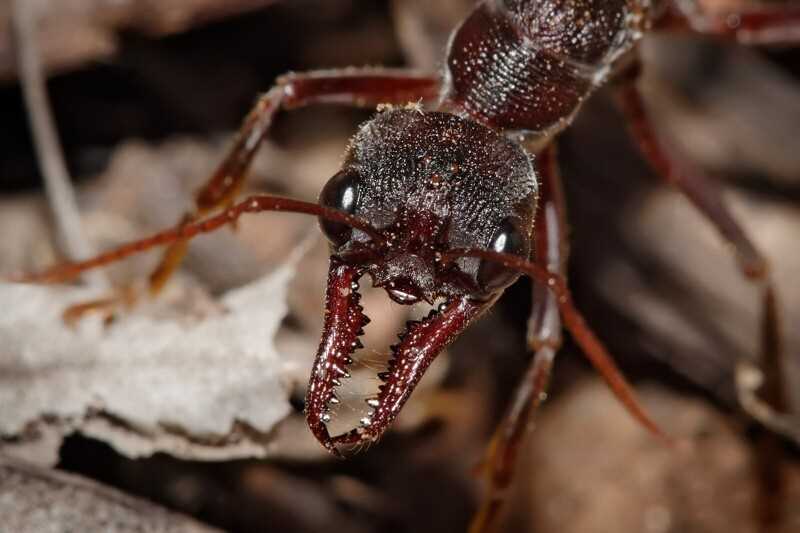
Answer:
(591, 346)
(353, 87)
(544, 340)
(125, 296)
(705, 194)
(552, 303)
(702, 190)
(772, 24)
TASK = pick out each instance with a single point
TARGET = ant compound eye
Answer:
(507, 239)
(340, 193)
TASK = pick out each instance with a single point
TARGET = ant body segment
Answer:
(445, 201)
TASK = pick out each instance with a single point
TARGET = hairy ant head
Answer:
(430, 183)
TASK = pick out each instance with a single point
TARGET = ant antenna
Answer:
(254, 204)
(591, 346)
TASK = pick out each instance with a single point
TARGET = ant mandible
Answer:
(444, 200)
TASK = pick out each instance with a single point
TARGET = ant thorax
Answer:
(527, 66)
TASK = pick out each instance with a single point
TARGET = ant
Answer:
(452, 197)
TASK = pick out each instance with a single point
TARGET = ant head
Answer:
(431, 182)
(425, 185)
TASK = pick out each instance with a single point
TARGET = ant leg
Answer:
(366, 87)
(591, 346)
(705, 194)
(700, 189)
(552, 305)
(544, 340)
(354, 87)
(771, 24)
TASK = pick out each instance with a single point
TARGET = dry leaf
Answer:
(210, 388)
(33, 500)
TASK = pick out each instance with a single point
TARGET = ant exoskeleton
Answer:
(442, 200)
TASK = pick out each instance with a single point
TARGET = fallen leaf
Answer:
(33, 500)
(201, 388)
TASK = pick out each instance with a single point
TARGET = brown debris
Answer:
(74, 32)
(33, 500)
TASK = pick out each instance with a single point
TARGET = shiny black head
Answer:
(432, 182)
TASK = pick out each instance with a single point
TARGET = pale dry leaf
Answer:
(35, 500)
(208, 388)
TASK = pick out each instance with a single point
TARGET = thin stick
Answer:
(70, 237)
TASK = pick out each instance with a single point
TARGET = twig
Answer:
(71, 239)
(749, 379)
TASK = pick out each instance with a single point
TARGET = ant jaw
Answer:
(408, 278)
(402, 297)
(320, 431)
(344, 445)
(350, 443)
(419, 344)
(403, 292)
(344, 322)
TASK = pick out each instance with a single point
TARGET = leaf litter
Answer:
(198, 389)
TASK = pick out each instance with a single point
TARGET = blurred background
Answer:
(146, 96)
